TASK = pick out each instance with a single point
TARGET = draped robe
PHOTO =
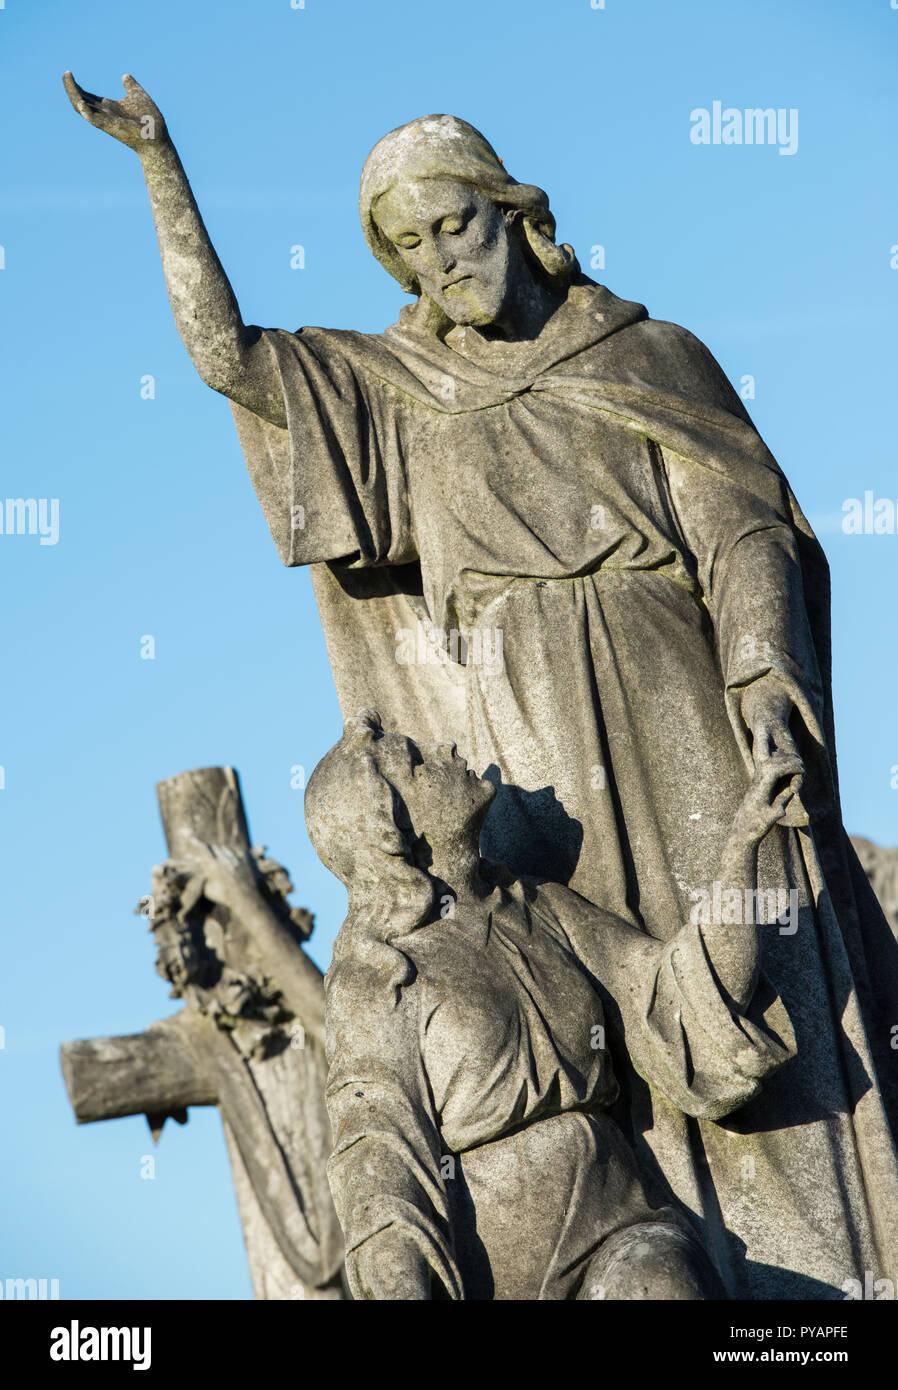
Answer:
(621, 555)
(502, 995)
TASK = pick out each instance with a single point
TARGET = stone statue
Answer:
(542, 525)
(468, 1073)
(249, 1039)
(881, 867)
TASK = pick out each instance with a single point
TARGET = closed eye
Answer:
(453, 225)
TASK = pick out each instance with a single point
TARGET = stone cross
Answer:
(248, 1038)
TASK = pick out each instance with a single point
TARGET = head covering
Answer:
(440, 147)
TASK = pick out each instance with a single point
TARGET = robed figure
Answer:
(542, 526)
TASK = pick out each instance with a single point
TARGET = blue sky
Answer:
(781, 263)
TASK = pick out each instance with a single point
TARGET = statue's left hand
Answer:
(766, 710)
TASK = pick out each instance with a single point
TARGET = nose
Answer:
(443, 256)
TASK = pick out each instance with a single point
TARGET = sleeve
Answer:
(332, 483)
(680, 1033)
(746, 552)
(385, 1168)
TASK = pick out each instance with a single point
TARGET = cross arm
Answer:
(153, 1073)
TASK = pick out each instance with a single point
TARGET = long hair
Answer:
(351, 817)
(447, 147)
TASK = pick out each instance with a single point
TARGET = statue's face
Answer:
(457, 244)
(443, 797)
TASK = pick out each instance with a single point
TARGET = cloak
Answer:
(388, 481)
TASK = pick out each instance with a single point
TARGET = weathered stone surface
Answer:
(248, 1040)
(881, 867)
(542, 525)
(469, 1072)
(143, 1074)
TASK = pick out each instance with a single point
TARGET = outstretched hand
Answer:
(136, 121)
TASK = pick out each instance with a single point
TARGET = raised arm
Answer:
(230, 356)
